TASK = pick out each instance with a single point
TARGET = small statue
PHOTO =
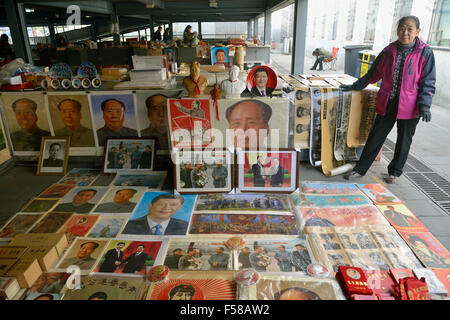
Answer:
(216, 92)
(195, 84)
(233, 87)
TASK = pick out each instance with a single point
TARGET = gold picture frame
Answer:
(53, 164)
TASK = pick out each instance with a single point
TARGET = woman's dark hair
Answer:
(405, 18)
(4, 38)
(187, 27)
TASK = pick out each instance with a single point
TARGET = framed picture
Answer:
(185, 285)
(120, 200)
(81, 199)
(190, 121)
(271, 287)
(84, 253)
(54, 156)
(108, 227)
(129, 258)
(107, 288)
(261, 81)
(80, 177)
(51, 222)
(267, 171)
(135, 155)
(37, 205)
(27, 121)
(56, 191)
(152, 180)
(78, 226)
(204, 171)
(171, 54)
(199, 255)
(161, 214)
(5, 154)
(19, 223)
(220, 55)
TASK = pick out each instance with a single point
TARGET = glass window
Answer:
(440, 26)
(402, 8)
(372, 14)
(223, 30)
(129, 35)
(351, 20)
(260, 34)
(178, 28)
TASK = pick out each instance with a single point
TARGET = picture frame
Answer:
(50, 162)
(200, 178)
(118, 161)
(220, 55)
(283, 176)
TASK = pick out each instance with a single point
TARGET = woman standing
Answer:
(407, 70)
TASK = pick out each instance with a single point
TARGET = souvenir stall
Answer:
(200, 194)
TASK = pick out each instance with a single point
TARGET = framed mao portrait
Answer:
(54, 156)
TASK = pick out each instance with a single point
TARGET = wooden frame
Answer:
(41, 170)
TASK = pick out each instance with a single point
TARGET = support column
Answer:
(299, 43)
(152, 27)
(115, 23)
(256, 27)
(16, 21)
(51, 29)
(249, 29)
(171, 30)
(200, 36)
(267, 27)
(93, 31)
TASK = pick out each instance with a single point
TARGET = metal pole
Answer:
(299, 37)
(267, 27)
(17, 25)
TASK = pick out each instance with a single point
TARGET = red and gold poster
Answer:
(211, 285)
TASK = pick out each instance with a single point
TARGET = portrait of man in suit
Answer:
(114, 117)
(261, 76)
(156, 113)
(112, 259)
(53, 160)
(276, 174)
(136, 261)
(258, 169)
(121, 202)
(159, 219)
(83, 257)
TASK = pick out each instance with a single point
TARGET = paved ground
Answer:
(431, 145)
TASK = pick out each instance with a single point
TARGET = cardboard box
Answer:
(12, 251)
(46, 256)
(8, 287)
(26, 271)
(58, 240)
(5, 265)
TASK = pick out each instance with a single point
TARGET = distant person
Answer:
(60, 41)
(70, 112)
(6, 51)
(28, 138)
(189, 37)
(408, 72)
(320, 54)
(113, 159)
(157, 35)
(166, 36)
(135, 157)
(145, 161)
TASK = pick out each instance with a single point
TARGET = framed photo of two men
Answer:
(129, 155)
(54, 156)
(270, 170)
(203, 171)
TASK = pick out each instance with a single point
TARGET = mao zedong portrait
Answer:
(114, 117)
(70, 112)
(83, 258)
(159, 219)
(249, 115)
(121, 202)
(156, 113)
(28, 138)
(80, 202)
